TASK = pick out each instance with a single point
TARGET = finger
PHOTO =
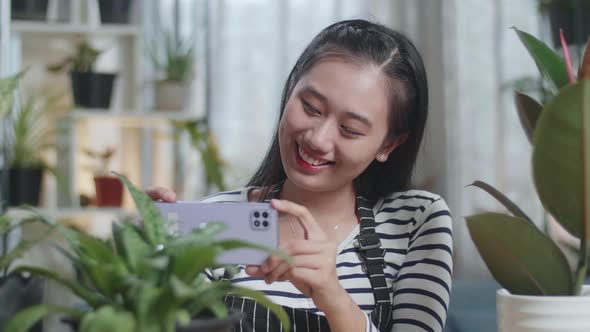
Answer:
(312, 262)
(161, 193)
(278, 271)
(303, 247)
(311, 228)
(270, 264)
(254, 271)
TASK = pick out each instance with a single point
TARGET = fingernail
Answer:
(169, 196)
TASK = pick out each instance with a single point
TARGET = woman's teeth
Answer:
(310, 160)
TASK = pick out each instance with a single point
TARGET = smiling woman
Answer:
(368, 252)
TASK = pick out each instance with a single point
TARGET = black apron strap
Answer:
(369, 247)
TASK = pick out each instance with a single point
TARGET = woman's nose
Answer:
(320, 138)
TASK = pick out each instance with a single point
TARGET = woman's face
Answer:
(334, 125)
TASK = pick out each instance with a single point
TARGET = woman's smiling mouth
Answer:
(309, 163)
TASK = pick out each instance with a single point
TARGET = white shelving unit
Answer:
(129, 120)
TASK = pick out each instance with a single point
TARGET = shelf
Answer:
(94, 221)
(133, 118)
(121, 30)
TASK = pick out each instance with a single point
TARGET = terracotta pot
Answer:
(521, 313)
(109, 191)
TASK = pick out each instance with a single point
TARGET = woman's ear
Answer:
(388, 147)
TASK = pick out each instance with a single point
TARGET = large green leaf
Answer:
(508, 204)
(131, 245)
(108, 319)
(529, 111)
(519, 256)
(550, 64)
(189, 261)
(153, 222)
(558, 157)
(25, 319)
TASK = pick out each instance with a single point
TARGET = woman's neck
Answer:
(324, 204)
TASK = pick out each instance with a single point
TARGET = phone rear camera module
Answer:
(265, 223)
(257, 223)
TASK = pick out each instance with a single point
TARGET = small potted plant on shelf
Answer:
(90, 89)
(146, 279)
(17, 291)
(109, 190)
(541, 292)
(176, 67)
(33, 132)
(114, 11)
(35, 10)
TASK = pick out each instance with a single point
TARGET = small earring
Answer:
(381, 158)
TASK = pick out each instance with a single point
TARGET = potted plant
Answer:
(90, 89)
(541, 292)
(7, 87)
(109, 190)
(571, 16)
(17, 291)
(33, 132)
(145, 279)
(35, 10)
(114, 11)
(176, 68)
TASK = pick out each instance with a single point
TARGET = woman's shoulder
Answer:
(416, 198)
(420, 204)
(236, 195)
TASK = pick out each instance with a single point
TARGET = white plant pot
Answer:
(521, 313)
(171, 96)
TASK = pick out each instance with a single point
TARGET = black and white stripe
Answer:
(415, 230)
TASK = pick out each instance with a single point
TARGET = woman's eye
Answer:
(349, 131)
(310, 108)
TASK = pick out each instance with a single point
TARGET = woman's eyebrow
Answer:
(308, 89)
(359, 117)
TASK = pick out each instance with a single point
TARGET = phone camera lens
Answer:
(256, 214)
(264, 214)
(265, 223)
(257, 223)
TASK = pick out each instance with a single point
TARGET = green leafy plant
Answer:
(33, 133)
(144, 278)
(83, 61)
(7, 87)
(8, 224)
(521, 257)
(176, 63)
(204, 142)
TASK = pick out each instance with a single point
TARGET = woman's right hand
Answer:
(161, 194)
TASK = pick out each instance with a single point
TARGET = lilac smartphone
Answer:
(252, 222)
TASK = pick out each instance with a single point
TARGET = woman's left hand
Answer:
(313, 267)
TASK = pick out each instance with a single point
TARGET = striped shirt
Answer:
(415, 231)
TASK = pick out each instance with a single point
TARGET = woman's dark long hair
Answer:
(367, 43)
